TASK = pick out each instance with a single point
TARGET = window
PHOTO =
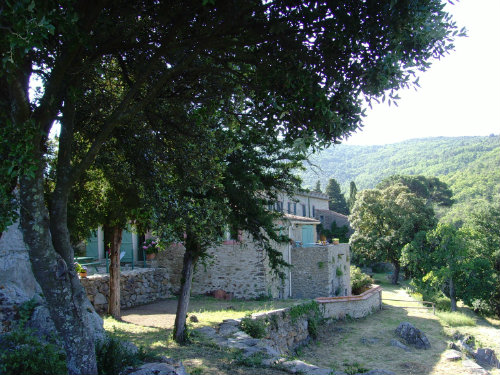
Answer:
(289, 207)
(322, 219)
(314, 211)
(295, 208)
(304, 210)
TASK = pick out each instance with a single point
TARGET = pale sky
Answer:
(459, 95)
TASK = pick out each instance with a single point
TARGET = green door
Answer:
(127, 245)
(307, 235)
(92, 247)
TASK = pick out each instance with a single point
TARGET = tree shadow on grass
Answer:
(200, 356)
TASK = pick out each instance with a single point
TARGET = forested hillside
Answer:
(470, 165)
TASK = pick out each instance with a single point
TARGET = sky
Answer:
(459, 94)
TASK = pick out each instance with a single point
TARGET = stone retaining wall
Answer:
(284, 332)
(354, 306)
(138, 287)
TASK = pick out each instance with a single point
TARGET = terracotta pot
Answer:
(150, 256)
(83, 275)
(335, 242)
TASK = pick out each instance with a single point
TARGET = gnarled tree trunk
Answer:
(395, 275)
(55, 273)
(453, 298)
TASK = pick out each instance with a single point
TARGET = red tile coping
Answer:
(365, 295)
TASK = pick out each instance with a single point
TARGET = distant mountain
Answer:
(469, 165)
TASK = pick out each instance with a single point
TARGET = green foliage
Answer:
(21, 352)
(313, 324)
(254, 360)
(25, 311)
(337, 200)
(353, 190)
(317, 189)
(339, 272)
(112, 356)
(442, 260)
(468, 165)
(431, 189)
(359, 280)
(256, 328)
(311, 309)
(354, 368)
(385, 220)
(335, 232)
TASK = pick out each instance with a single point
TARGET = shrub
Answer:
(21, 352)
(338, 271)
(112, 356)
(313, 326)
(359, 280)
(254, 327)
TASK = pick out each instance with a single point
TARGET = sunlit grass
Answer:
(211, 312)
(456, 319)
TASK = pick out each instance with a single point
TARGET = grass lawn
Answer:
(349, 345)
(365, 343)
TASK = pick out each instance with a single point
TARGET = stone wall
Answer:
(284, 332)
(354, 306)
(321, 271)
(138, 287)
(237, 267)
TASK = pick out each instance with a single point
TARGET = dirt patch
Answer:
(159, 314)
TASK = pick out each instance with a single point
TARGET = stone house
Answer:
(241, 267)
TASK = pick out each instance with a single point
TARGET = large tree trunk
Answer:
(54, 272)
(114, 274)
(395, 275)
(453, 298)
(193, 251)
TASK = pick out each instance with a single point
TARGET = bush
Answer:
(313, 324)
(112, 356)
(359, 280)
(254, 327)
(21, 352)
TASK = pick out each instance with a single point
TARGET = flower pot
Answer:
(83, 275)
(335, 241)
(150, 256)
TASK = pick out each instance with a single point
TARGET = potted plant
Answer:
(81, 270)
(335, 241)
(150, 247)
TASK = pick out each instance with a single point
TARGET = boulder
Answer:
(487, 356)
(18, 286)
(399, 344)
(413, 336)
(452, 355)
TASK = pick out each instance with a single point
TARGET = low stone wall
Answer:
(354, 306)
(286, 331)
(138, 287)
